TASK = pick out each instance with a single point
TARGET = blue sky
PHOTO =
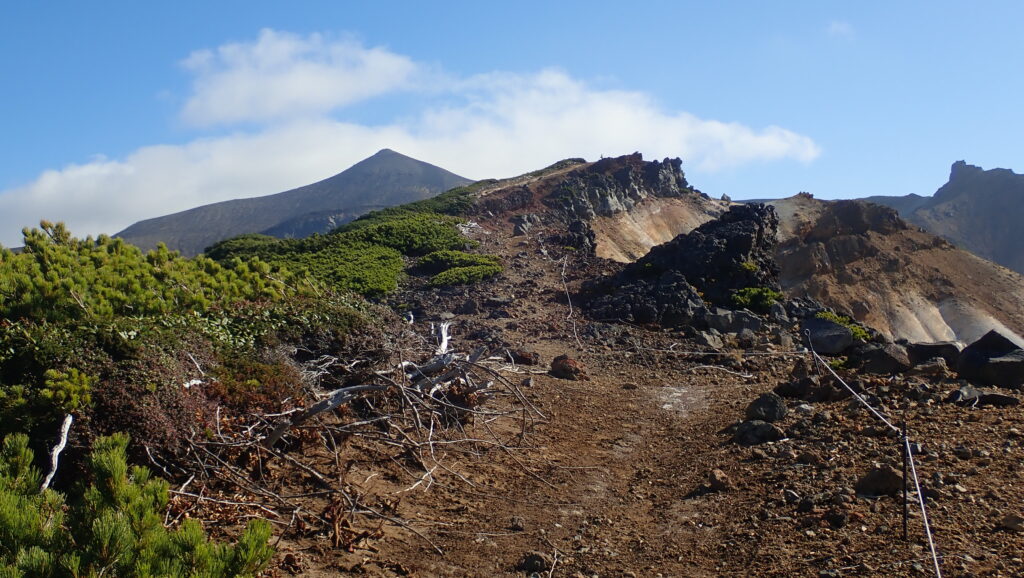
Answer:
(118, 111)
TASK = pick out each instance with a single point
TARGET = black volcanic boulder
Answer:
(922, 352)
(826, 336)
(887, 358)
(992, 360)
(667, 300)
(670, 285)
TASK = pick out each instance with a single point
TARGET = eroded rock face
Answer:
(669, 285)
(616, 185)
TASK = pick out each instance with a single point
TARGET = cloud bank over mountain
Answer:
(281, 111)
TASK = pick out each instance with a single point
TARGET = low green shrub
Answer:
(464, 275)
(115, 528)
(438, 261)
(413, 234)
(858, 331)
(758, 299)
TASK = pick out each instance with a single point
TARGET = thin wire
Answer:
(924, 512)
(878, 414)
(906, 443)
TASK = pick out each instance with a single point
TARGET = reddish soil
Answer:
(613, 480)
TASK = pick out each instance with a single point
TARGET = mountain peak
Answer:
(387, 178)
(961, 169)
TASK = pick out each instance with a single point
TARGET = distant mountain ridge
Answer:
(978, 210)
(385, 179)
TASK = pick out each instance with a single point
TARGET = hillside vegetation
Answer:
(370, 255)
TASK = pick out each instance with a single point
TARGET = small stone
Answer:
(565, 367)
(790, 496)
(718, 481)
(767, 407)
(880, 481)
(518, 524)
(754, 432)
(1012, 522)
(535, 562)
(837, 518)
(806, 504)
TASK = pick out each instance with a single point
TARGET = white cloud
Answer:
(284, 75)
(491, 125)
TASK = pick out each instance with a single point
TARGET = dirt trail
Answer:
(617, 467)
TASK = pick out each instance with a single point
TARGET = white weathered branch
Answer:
(333, 400)
(442, 333)
(65, 428)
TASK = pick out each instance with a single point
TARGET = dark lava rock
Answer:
(777, 313)
(768, 407)
(798, 388)
(535, 562)
(827, 337)
(970, 396)
(733, 252)
(886, 359)
(755, 432)
(666, 299)
(947, 350)
(728, 321)
(992, 360)
(836, 518)
(880, 481)
(708, 339)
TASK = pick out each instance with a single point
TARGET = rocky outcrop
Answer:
(670, 284)
(977, 209)
(733, 252)
(616, 185)
(863, 261)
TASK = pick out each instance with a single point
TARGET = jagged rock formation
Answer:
(669, 285)
(978, 210)
(629, 205)
(858, 258)
(385, 179)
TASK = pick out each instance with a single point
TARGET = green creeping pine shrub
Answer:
(115, 529)
(749, 266)
(414, 234)
(464, 275)
(24, 406)
(838, 363)
(758, 299)
(858, 331)
(439, 261)
(455, 202)
(61, 278)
